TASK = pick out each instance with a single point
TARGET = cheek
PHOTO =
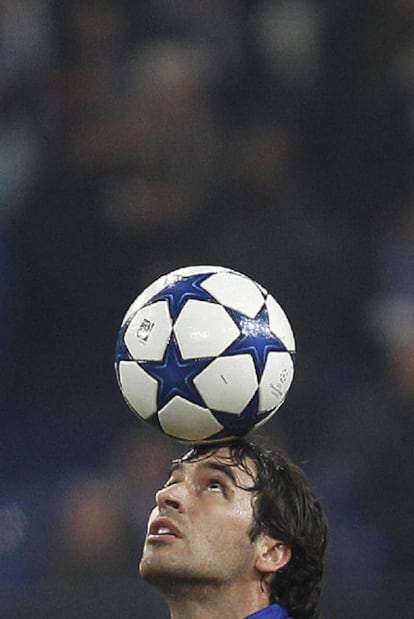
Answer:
(228, 545)
(243, 514)
(230, 528)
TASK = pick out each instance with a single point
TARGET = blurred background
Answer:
(273, 137)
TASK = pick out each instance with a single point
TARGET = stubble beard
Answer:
(175, 580)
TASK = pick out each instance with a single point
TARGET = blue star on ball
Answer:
(175, 375)
(181, 290)
(255, 338)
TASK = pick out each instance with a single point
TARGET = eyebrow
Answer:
(213, 466)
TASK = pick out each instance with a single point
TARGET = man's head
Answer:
(238, 513)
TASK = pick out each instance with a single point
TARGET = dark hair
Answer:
(286, 509)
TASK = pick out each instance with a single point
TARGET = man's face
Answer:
(199, 529)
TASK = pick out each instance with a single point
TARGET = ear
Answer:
(272, 555)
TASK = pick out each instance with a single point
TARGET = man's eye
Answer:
(216, 486)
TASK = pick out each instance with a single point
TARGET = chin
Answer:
(155, 570)
(163, 579)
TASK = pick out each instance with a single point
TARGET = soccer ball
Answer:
(205, 354)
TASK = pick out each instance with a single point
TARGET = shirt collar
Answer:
(274, 611)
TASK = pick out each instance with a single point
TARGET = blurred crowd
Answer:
(274, 137)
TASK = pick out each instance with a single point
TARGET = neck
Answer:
(195, 601)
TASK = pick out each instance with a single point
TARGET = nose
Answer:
(172, 497)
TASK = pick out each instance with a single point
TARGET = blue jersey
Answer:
(274, 611)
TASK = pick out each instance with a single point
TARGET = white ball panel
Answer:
(138, 388)
(204, 329)
(148, 333)
(235, 291)
(187, 421)
(276, 380)
(228, 383)
(279, 323)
